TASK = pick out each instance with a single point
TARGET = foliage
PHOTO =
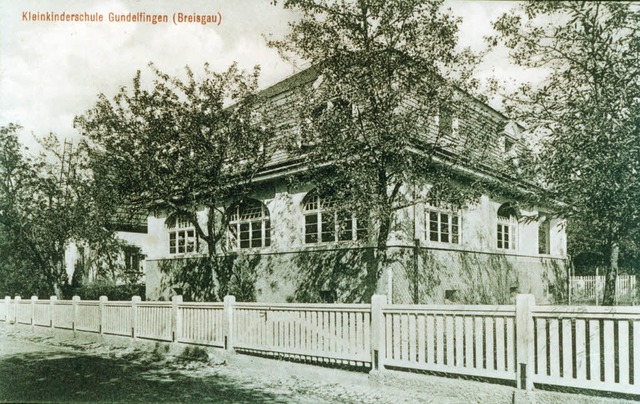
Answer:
(103, 261)
(490, 280)
(586, 109)
(343, 275)
(192, 277)
(590, 251)
(385, 70)
(93, 291)
(179, 147)
(45, 201)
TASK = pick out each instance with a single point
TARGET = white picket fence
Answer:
(469, 340)
(591, 288)
(593, 348)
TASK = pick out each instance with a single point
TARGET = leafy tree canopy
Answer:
(386, 69)
(45, 202)
(586, 109)
(180, 146)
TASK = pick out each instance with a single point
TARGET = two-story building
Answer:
(292, 245)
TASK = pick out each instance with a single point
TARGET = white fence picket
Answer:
(458, 339)
(591, 288)
(117, 318)
(317, 332)
(4, 309)
(63, 314)
(154, 321)
(88, 316)
(582, 347)
(202, 323)
(592, 346)
(42, 313)
(23, 312)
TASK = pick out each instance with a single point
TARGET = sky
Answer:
(51, 72)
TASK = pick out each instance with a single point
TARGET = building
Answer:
(287, 246)
(122, 258)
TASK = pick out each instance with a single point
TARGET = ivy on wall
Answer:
(194, 278)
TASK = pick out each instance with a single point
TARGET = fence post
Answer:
(377, 332)
(74, 301)
(16, 303)
(52, 310)
(34, 299)
(102, 313)
(176, 321)
(525, 342)
(596, 287)
(7, 302)
(135, 300)
(229, 302)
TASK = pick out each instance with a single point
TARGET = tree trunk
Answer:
(381, 255)
(611, 277)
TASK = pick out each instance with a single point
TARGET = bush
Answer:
(113, 292)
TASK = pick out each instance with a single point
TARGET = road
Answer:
(48, 367)
(36, 372)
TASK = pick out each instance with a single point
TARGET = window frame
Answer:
(544, 227)
(323, 212)
(132, 257)
(450, 225)
(183, 236)
(508, 226)
(237, 225)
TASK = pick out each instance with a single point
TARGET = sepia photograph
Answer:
(319, 201)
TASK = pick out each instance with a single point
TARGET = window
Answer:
(507, 234)
(450, 295)
(445, 121)
(442, 226)
(323, 222)
(182, 238)
(508, 145)
(132, 258)
(544, 233)
(249, 225)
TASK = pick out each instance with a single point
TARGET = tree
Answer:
(179, 147)
(43, 205)
(586, 110)
(385, 69)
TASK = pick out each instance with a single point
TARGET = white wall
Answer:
(477, 232)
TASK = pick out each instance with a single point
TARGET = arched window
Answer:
(507, 235)
(325, 222)
(249, 225)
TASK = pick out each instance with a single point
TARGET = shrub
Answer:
(113, 292)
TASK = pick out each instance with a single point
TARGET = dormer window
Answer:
(508, 145)
(326, 114)
(445, 121)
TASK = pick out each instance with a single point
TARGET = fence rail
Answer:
(594, 348)
(588, 347)
(339, 333)
(201, 323)
(470, 340)
(591, 288)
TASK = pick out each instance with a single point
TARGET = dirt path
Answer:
(40, 366)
